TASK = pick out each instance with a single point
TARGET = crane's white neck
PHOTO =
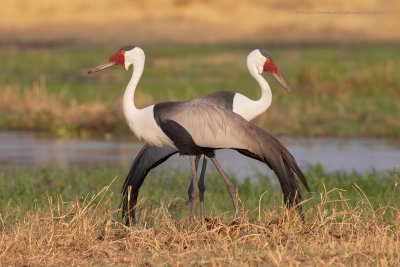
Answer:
(266, 95)
(246, 107)
(129, 95)
(141, 121)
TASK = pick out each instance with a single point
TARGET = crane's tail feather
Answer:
(271, 152)
(147, 159)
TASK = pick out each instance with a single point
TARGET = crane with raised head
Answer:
(149, 157)
(198, 128)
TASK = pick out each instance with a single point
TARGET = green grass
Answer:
(340, 91)
(26, 190)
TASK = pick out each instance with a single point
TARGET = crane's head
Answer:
(125, 56)
(261, 61)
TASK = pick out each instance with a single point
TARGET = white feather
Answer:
(246, 107)
(141, 121)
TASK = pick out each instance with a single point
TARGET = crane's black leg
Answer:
(202, 187)
(190, 190)
(195, 192)
(231, 187)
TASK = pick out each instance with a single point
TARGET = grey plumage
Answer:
(150, 157)
(215, 127)
(219, 98)
(127, 48)
(211, 127)
(265, 53)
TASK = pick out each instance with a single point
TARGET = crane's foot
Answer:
(238, 217)
(201, 208)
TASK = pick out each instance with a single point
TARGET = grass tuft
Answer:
(342, 227)
(85, 232)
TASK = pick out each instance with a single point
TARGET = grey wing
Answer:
(215, 127)
(219, 98)
(212, 126)
(147, 159)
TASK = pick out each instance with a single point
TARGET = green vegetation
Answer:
(339, 91)
(25, 190)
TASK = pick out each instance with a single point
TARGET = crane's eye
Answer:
(122, 52)
(268, 60)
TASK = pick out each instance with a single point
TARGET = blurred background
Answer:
(341, 59)
(198, 21)
(65, 147)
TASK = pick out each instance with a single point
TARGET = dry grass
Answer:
(84, 232)
(196, 20)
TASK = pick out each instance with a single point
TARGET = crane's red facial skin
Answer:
(270, 66)
(116, 59)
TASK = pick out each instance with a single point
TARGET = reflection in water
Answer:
(30, 150)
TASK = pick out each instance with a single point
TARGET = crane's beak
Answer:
(102, 66)
(278, 76)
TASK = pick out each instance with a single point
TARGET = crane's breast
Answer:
(144, 126)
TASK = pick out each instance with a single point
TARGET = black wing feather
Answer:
(147, 159)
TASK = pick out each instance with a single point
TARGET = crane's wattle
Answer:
(270, 67)
(118, 58)
(115, 59)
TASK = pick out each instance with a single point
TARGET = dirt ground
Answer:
(197, 21)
